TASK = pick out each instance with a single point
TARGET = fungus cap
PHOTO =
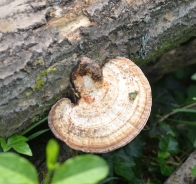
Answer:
(114, 106)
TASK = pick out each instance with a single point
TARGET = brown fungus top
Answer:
(114, 106)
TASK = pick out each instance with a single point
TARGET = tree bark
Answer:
(183, 174)
(40, 42)
(170, 61)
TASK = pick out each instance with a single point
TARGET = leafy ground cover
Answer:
(84, 169)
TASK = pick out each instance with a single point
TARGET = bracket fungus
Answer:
(114, 105)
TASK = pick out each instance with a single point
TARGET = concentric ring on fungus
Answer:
(114, 105)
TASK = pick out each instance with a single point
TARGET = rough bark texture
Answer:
(179, 57)
(183, 174)
(40, 41)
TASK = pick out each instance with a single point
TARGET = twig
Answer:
(174, 112)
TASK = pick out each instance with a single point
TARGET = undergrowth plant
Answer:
(84, 169)
(19, 142)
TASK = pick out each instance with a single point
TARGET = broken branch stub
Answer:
(114, 106)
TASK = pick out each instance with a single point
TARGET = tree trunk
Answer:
(40, 42)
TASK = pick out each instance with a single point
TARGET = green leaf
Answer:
(193, 77)
(119, 156)
(163, 101)
(14, 139)
(18, 143)
(84, 169)
(122, 157)
(167, 129)
(23, 148)
(34, 125)
(4, 146)
(52, 152)
(165, 169)
(122, 170)
(16, 170)
(138, 169)
(161, 161)
(2, 142)
(194, 98)
(36, 134)
(185, 110)
(163, 154)
(135, 147)
(169, 144)
(124, 165)
(193, 171)
(192, 136)
(182, 122)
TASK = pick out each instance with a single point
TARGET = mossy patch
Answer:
(51, 69)
(39, 62)
(39, 83)
(43, 73)
(27, 94)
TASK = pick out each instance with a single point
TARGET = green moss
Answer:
(27, 94)
(39, 62)
(40, 78)
(39, 83)
(51, 69)
(43, 73)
